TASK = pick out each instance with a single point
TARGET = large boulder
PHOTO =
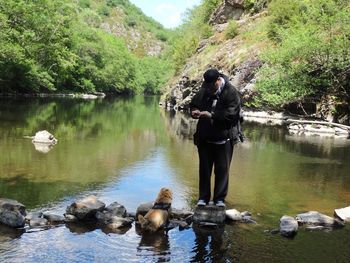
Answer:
(288, 226)
(229, 9)
(86, 208)
(12, 213)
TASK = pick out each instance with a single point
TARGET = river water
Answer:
(126, 149)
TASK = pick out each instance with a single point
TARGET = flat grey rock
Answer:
(209, 214)
(179, 214)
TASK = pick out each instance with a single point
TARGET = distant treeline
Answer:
(56, 46)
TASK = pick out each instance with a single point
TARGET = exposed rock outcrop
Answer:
(229, 9)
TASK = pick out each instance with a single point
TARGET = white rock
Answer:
(44, 137)
(234, 215)
(343, 213)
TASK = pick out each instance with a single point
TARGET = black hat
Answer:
(210, 77)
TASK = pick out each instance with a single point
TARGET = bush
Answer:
(231, 30)
(311, 56)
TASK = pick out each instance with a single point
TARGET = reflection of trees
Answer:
(95, 138)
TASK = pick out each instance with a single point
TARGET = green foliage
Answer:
(186, 39)
(55, 46)
(254, 6)
(231, 30)
(311, 55)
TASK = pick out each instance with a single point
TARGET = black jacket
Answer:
(223, 123)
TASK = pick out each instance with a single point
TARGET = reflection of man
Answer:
(211, 244)
(217, 106)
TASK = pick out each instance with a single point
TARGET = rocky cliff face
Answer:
(237, 58)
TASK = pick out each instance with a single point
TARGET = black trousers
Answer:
(218, 156)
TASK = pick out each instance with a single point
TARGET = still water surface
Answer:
(125, 150)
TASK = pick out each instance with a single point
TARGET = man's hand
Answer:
(196, 114)
(205, 114)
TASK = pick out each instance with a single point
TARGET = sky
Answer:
(167, 12)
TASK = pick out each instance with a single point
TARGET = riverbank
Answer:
(93, 95)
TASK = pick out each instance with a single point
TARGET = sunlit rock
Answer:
(288, 226)
(233, 215)
(316, 218)
(209, 214)
(343, 213)
(86, 208)
(44, 137)
(12, 213)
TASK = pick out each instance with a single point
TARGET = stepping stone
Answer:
(209, 214)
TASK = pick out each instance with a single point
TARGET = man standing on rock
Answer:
(216, 106)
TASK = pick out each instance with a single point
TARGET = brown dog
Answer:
(157, 217)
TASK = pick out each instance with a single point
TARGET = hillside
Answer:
(64, 46)
(291, 56)
(143, 35)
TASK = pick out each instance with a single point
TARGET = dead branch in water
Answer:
(326, 123)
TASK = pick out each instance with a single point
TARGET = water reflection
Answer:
(210, 244)
(125, 150)
(43, 147)
(156, 243)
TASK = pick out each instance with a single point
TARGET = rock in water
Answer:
(12, 213)
(343, 213)
(54, 219)
(38, 222)
(316, 218)
(288, 226)
(210, 214)
(44, 137)
(85, 208)
(113, 210)
(234, 215)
